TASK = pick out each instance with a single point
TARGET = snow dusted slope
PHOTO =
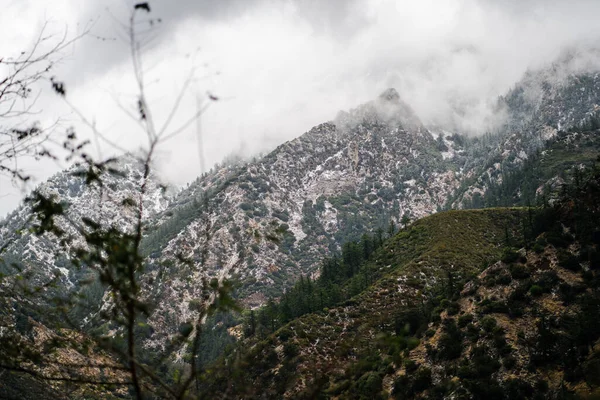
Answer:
(104, 204)
(341, 179)
(542, 105)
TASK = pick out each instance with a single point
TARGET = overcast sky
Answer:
(280, 67)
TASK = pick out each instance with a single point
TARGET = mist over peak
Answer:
(387, 108)
(390, 95)
(280, 68)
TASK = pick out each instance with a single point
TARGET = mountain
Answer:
(334, 342)
(496, 303)
(273, 221)
(370, 165)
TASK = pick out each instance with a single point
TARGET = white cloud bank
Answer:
(281, 67)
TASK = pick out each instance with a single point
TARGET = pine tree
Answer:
(405, 220)
(391, 228)
(251, 328)
(378, 237)
(367, 246)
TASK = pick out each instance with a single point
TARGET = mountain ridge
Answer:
(268, 222)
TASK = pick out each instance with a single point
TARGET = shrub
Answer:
(538, 248)
(369, 384)
(488, 306)
(401, 388)
(502, 345)
(515, 308)
(568, 261)
(518, 389)
(464, 320)
(412, 343)
(509, 362)
(509, 256)
(364, 365)
(408, 322)
(410, 366)
(406, 387)
(339, 388)
(284, 334)
(488, 323)
(453, 308)
(489, 281)
(519, 272)
(591, 371)
(290, 350)
(503, 279)
(547, 280)
(536, 290)
(472, 333)
(568, 293)
(559, 239)
(541, 386)
(482, 363)
(422, 380)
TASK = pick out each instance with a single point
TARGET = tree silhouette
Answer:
(20, 76)
(113, 255)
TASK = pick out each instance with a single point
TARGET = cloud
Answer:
(283, 66)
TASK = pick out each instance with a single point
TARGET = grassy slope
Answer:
(328, 343)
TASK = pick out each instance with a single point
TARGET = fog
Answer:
(281, 67)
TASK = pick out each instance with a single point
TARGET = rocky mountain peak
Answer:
(391, 95)
(387, 109)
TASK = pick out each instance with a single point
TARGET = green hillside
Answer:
(433, 255)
